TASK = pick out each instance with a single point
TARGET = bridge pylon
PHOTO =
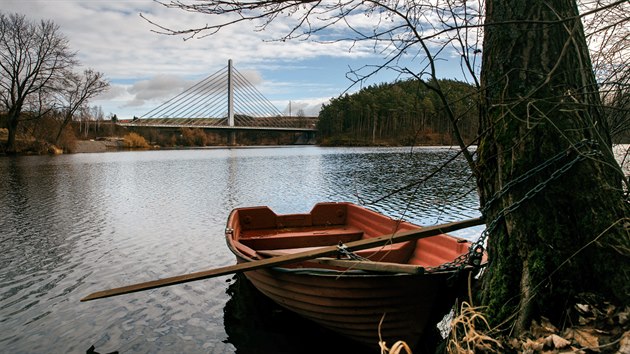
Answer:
(230, 87)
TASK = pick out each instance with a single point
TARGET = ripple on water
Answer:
(76, 224)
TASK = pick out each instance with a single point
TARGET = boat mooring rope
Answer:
(345, 252)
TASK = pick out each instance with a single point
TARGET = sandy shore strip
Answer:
(87, 146)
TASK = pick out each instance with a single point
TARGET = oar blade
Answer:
(160, 283)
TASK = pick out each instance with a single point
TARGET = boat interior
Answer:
(258, 232)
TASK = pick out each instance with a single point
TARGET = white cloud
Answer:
(309, 107)
(159, 87)
(113, 92)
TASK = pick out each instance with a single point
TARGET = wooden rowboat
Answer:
(396, 291)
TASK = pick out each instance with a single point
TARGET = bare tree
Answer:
(608, 35)
(33, 56)
(96, 113)
(75, 91)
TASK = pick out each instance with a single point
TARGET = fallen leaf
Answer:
(585, 320)
(624, 344)
(547, 325)
(624, 315)
(572, 350)
(584, 338)
(583, 308)
(536, 345)
(557, 341)
(543, 329)
(548, 342)
(610, 310)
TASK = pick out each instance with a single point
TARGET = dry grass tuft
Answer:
(397, 348)
(134, 140)
(468, 333)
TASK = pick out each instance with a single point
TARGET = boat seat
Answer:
(300, 239)
(285, 251)
(396, 253)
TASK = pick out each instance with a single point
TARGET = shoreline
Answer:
(92, 146)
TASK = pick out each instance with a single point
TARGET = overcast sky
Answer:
(146, 69)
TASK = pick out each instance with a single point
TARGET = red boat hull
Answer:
(364, 306)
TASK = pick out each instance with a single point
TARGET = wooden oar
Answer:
(401, 236)
(383, 267)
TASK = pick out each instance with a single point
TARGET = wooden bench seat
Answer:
(396, 253)
(283, 239)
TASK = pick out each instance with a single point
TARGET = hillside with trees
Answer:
(400, 113)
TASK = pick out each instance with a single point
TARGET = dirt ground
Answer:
(86, 146)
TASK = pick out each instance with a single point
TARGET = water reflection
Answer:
(413, 185)
(254, 324)
(71, 225)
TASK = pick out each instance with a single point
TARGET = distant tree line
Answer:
(407, 113)
(400, 113)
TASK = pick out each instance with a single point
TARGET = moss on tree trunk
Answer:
(549, 184)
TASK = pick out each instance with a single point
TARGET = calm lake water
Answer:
(71, 225)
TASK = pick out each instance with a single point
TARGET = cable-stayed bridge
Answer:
(224, 100)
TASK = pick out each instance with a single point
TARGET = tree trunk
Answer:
(551, 190)
(66, 119)
(13, 118)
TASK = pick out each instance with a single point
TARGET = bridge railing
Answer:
(300, 123)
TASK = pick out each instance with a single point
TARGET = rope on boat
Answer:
(343, 251)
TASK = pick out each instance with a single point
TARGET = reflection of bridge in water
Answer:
(227, 101)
